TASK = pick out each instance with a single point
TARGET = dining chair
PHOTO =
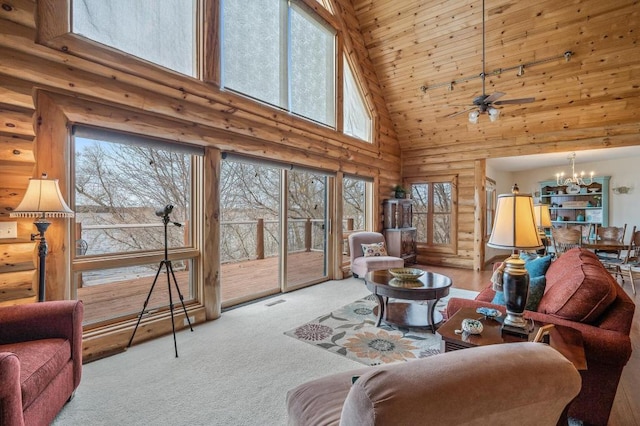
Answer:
(565, 239)
(611, 259)
(631, 264)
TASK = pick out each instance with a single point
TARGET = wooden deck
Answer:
(240, 282)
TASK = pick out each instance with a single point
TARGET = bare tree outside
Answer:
(118, 189)
(432, 212)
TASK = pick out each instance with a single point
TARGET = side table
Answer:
(566, 340)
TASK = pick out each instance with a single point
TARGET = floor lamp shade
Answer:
(42, 200)
(515, 229)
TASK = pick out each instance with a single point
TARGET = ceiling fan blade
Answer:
(492, 97)
(455, 114)
(515, 101)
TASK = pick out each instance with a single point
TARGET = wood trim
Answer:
(211, 234)
(479, 213)
(52, 157)
(210, 52)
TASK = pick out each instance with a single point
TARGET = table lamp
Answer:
(514, 228)
(42, 200)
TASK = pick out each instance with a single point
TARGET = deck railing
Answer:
(240, 240)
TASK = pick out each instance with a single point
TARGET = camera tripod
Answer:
(166, 263)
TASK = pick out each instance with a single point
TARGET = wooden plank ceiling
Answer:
(415, 43)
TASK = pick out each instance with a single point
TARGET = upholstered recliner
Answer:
(513, 383)
(360, 264)
(40, 360)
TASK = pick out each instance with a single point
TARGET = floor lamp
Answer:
(515, 229)
(42, 200)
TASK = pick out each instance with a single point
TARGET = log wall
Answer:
(115, 90)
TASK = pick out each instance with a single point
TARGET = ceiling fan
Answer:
(485, 103)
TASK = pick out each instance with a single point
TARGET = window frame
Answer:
(105, 261)
(428, 245)
(313, 14)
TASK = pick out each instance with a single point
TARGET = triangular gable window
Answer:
(357, 118)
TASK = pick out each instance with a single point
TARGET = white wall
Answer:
(624, 172)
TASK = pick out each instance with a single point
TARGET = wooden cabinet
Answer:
(398, 232)
(578, 205)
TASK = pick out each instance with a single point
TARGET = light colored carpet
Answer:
(235, 370)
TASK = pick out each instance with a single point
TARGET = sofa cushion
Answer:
(40, 361)
(375, 249)
(578, 287)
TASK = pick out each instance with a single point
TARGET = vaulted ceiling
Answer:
(418, 44)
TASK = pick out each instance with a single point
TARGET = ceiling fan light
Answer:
(473, 117)
(494, 113)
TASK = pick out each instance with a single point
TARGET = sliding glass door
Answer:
(250, 210)
(307, 230)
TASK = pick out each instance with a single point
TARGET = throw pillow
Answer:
(537, 266)
(536, 290)
(375, 249)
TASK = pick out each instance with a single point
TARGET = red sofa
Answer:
(40, 360)
(581, 294)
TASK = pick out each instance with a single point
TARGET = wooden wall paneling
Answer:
(17, 255)
(19, 11)
(16, 92)
(17, 287)
(16, 121)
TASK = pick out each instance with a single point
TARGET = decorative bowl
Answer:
(397, 282)
(409, 274)
(592, 190)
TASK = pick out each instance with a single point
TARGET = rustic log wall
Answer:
(592, 101)
(202, 113)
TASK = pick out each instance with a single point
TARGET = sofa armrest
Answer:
(45, 320)
(10, 392)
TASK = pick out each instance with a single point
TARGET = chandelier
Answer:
(574, 179)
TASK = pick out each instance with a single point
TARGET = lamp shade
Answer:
(42, 199)
(515, 226)
(542, 215)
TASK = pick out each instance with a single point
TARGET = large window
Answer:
(433, 213)
(164, 34)
(124, 184)
(280, 54)
(357, 118)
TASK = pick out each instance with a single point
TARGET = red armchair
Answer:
(40, 360)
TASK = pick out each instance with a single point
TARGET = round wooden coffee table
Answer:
(430, 287)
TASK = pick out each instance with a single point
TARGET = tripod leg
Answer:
(180, 295)
(173, 324)
(144, 307)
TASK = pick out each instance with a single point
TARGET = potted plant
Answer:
(400, 192)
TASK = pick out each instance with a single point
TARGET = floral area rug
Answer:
(351, 332)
